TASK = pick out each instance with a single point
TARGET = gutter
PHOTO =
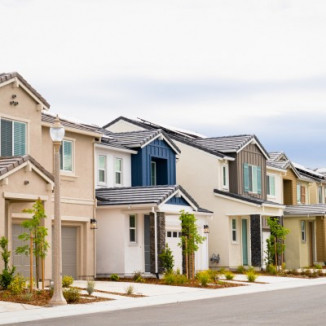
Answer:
(155, 241)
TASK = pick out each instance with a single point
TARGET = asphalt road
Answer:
(300, 306)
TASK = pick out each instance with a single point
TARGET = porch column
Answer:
(255, 231)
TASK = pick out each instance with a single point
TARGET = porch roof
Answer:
(9, 163)
(305, 210)
(249, 199)
(143, 195)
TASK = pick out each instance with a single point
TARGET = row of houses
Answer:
(134, 177)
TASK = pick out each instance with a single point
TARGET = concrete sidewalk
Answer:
(155, 295)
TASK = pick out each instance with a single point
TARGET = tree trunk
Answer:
(31, 263)
(43, 268)
(193, 265)
(275, 249)
(187, 261)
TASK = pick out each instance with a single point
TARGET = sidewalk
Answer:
(155, 295)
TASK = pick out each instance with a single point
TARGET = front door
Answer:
(147, 244)
(244, 243)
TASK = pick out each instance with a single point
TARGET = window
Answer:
(252, 178)
(118, 171)
(225, 177)
(153, 174)
(66, 162)
(301, 194)
(169, 234)
(13, 138)
(271, 185)
(234, 230)
(320, 194)
(102, 169)
(303, 231)
(132, 228)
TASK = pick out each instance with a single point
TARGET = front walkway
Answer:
(154, 295)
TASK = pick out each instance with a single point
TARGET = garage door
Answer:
(173, 239)
(69, 251)
(20, 261)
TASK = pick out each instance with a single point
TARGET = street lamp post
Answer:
(57, 133)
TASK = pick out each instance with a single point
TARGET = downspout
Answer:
(155, 242)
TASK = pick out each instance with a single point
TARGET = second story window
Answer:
(271, 185)
(320, 194)
(301, 194)
(101, 169)
(66, 156)
(225, 177)
(118, 171)
(252, 178)
(13, 138)
(153, 174)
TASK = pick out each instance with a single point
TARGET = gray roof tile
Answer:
(305, 210)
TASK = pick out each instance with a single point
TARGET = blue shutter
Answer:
(246, 177)
(6, 138)
(258, 179)
(19, 138)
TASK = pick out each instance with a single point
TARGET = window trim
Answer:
(234, 230)
(99, 182)
(115, 171)
(132, 228)
(253, 187)
(225, 168)
(303, 228)
(299, 200)
(68, 172)
(320, 194)
(13, 120)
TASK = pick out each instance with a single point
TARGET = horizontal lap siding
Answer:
(251, 154)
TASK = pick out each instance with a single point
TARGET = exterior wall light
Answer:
(206, 229)
(93, 224)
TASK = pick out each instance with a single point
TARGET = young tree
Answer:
(7, 273)
(36, 235)
(276, 240)
(190, 240)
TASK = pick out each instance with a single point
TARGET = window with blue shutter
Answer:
(246, 177)
(13, 138)
(258, 179)
(252, 178)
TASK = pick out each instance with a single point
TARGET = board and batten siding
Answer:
(252, 155)
(141, 163)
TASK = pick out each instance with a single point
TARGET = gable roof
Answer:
(155, 195)
(231, 144)
(8, 164)
(48, 119)
(136, 139)
(309, 174)
(9, 77)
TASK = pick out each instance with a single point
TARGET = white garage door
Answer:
(20, 261)
(173, 239)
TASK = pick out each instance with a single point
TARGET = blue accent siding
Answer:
(160, 152)
(177, 201)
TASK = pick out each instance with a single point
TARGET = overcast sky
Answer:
(216, 67)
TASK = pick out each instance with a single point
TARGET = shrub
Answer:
(318, 266)
(137, 277)
(90, 287)
(167, 259)
(114, 277)
(175, 278)
(17, 285)
(251, 276)
(271, 269)
(229, 275)
(71, 295)
(283, 266)
(203, 277)
(213, 275)
(8, 273)
(241, 269)
(222, 271)
(251, 269)
(67, 280)
(27, 297)
(130, 290)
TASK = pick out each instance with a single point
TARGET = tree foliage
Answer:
(7, 273)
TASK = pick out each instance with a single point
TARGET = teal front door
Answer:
(244, 243)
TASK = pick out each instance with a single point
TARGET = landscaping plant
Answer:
(241, 269)
(204, 277)
(114, 277)
(17, 285)
(190, 240)
(175, 278)
(251, 276)
(130, 290)
(167, 259)
(7, 274)
(90, 287)
(67, 280)
(229, 275)
(72, 295)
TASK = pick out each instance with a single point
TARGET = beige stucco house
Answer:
(26, 166)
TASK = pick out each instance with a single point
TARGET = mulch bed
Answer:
(191, 283)
(41, 298)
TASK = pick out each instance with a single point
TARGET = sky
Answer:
(213, 66)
